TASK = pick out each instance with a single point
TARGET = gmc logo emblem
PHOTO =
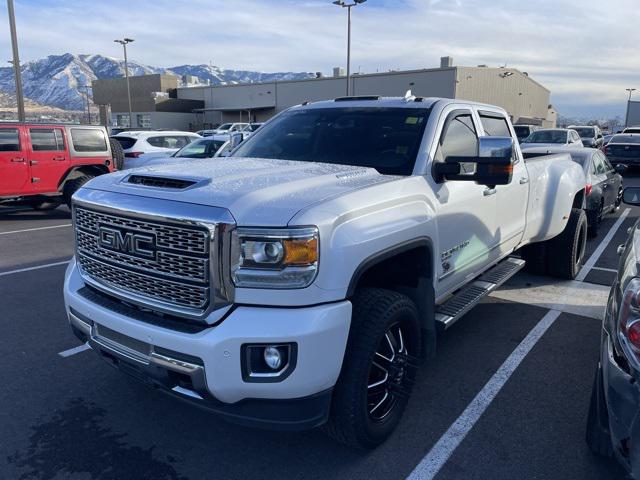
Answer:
(131, 243)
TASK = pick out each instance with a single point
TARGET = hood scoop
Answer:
(160, 182)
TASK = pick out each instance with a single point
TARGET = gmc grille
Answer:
(164, 263)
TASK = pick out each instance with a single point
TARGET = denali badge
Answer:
(132, 243)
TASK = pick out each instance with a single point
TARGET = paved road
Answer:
(76, 418)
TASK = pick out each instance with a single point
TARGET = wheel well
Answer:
(76, 172)
(579, 200)
(407, 269)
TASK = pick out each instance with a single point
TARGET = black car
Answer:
(613, 425)
(604, 182)
(624, 148)
(591, 136)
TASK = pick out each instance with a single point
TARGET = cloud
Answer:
(585, 53)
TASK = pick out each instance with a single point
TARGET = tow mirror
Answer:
(492, 166)
(631, 195)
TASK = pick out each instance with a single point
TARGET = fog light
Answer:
(272, 357)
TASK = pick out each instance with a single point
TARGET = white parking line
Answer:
(34, 229)
(435, 459)
(602, 269)
(20, 270)
(73, 351)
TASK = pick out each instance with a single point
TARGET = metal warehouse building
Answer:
(523, 98)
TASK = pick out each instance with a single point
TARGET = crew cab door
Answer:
(466, 211)
(48, 158)
(512, 198)
(14, 169)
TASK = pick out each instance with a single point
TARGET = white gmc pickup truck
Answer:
(296, 283)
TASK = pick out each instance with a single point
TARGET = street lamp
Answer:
(348, 6)
(16, 61)
(124, 42)
(630, 90)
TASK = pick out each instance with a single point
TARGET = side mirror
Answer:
(631, 195)
(492, 166)
(235, 139)
(620, 168)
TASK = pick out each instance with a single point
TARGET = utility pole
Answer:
(124, 42)
(348, 6)
(86, 92)
(16, 61)
(630, 90)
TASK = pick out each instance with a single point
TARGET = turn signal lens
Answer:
(300, 252)
(629, 321)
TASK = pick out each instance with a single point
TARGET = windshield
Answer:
(204, 148)
(625, 139)
(586, 132)
(547, 136)
(386, 139)
(522, 131)
(225, 126)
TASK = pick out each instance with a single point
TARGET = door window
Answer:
(599, 165)
(458, 139)
(168, 141)
(9, 140)
(495, 126)
(46, 139)
(88, 140)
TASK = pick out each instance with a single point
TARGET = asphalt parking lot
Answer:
(477, 411)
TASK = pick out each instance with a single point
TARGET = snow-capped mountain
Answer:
(58, 80)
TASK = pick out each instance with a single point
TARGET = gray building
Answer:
(633, 113)
(201, 106)
(154, 102)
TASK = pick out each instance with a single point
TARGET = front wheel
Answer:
(378, 370)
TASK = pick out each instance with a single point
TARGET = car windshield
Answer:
(204, 148)
(625, 139)
(586, 132)
(521, 131)
(547, 136)
(386, 139)
(225, 126)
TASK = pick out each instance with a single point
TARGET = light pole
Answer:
(16, 61)
(124, 42)
(348, 6)
(630, 90)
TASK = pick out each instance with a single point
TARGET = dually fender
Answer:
(559, 186)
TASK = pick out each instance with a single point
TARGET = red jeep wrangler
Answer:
(43, 165)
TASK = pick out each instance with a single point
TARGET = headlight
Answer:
(274, 258)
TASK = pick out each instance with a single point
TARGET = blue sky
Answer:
(584, 52)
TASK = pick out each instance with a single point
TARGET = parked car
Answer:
(632, 130)
(326, 250)
(613, 424)
(201, 148)
(552, 138)
(523, 131)
(591, 136)
(42, 165)
(603, 191)
(624, 148)
(205, 133)
(137, 144)
(607, 138)
(249, 129)
(227, 128)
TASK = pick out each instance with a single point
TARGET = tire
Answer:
(45, 205)
(597, 435)
(596, 219)
(364, 410)
(72, 186)
(535, 256)
(117, 153)
(565, 253)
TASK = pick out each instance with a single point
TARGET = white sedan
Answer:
(201, 148)
(552, 138)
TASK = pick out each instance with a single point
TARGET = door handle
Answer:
(59, 159)
(17, 160)
(489, 191)
(33, 162)
(524, 180)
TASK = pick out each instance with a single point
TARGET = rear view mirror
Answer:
(631, 195)
(235, 139)
(492, 166)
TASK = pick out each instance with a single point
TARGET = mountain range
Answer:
(59, 80)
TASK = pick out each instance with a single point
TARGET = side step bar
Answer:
(469, 296)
